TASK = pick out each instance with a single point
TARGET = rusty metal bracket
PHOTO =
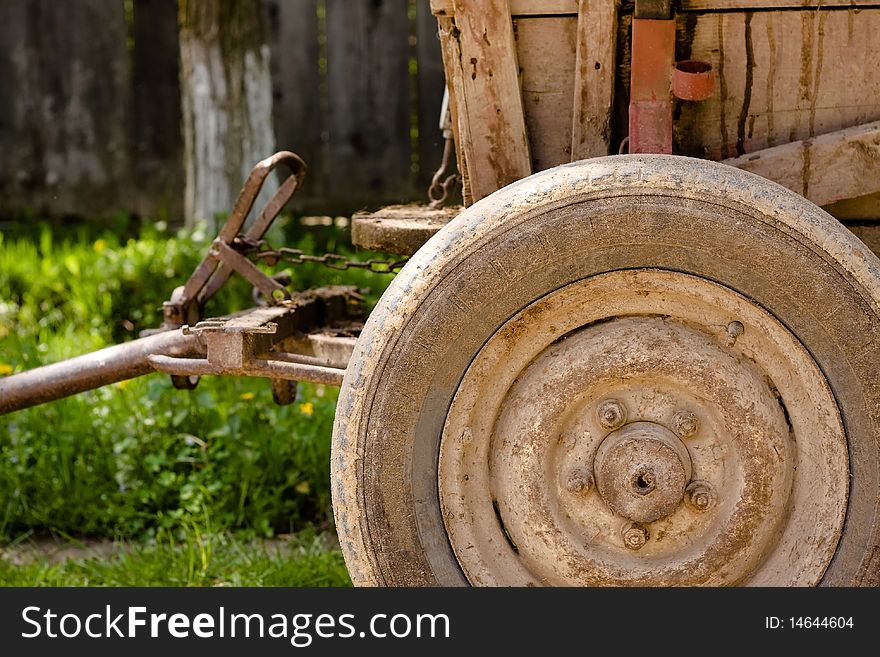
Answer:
(655, 78)
(211, 274)
(247, 344)
(650, 105)
(273, 369)
(270, 288)
(255, 342)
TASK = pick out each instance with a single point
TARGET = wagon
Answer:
(615, 366)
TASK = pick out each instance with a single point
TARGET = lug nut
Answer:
(734, 330)
(684, 423)
(701, 495)
(612, 414)
(579, 481)
(634, 536)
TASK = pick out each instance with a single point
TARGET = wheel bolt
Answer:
(580, 480)
(701, 495)
(634, 536)
(612, 414)
(685, 424)
(734, 330)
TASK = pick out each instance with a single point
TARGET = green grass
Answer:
(212, 560)
(139, 460)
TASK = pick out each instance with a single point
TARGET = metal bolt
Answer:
(734, 330)
(634, 536)
(701, 495)
(685, 424)
(580, 480)
(612, 414)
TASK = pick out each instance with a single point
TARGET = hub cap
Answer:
(642, 471)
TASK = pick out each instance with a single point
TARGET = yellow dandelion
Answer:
(5, 369)
(99, 245)
(307, 409)
(303, 487)
(245, 396)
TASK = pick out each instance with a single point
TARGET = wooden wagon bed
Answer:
(538, 83)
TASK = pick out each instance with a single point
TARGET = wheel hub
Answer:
(642, 471)
(618, 433)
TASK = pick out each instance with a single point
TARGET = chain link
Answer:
(443, 181)
(271, 256)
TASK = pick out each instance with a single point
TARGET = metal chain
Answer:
(445, 177)
(443, 181)
(264, 251)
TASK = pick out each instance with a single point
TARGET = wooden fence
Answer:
(90, 103)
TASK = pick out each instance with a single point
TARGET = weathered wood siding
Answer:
(85, 106)
(90, 103)
(782, 76)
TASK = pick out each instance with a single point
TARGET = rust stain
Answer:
(722, 83)
(823, 16)
(771, 78)
(747, 91)
(806, 75)
(805, 166)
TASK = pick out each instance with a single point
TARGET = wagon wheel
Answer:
(644, 370)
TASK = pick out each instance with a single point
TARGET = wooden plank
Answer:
(708, 5)
(399, 229)
(594, 79)
(431, 83)
(158, 158)
(296, 86)
(452, 64)
(552, 7)
(368, 88)
(517, 7)
(828, 168)
(497, 152)
(65, 107)
(781, 77)
(545, 48)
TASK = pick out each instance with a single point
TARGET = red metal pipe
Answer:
(650, 105)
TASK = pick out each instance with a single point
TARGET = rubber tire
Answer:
(549, 230)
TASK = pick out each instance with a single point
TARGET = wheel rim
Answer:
(643, 428)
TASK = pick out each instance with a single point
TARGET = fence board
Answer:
(369, 99)
(293, 40)
(63, 113)
(158, 147)
(90, 115)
